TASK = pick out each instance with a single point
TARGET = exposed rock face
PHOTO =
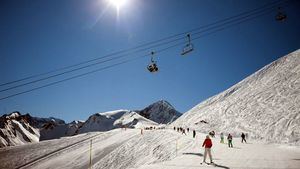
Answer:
(15, 129)
(160, 112)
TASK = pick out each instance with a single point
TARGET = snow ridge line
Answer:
(30, 163)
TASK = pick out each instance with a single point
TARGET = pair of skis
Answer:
(212, 163)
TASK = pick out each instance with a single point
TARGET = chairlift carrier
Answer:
(188, 47)
(152, 67)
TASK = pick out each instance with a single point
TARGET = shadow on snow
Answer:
(197, 154)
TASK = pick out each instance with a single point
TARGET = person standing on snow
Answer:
(229, 138)
(194, 133)
(222, 138)
(243, 137)
(207, 144)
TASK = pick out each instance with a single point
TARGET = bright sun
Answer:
(118, 3)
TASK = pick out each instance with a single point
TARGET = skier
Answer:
(194, 133)
(183, 131)
(175, 128)
(207, 144)
(222, 138)
(229, 138)
(243, 138)
(188, 130)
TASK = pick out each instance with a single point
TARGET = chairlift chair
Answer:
(188, 47)
(152, 67)
(281, 16)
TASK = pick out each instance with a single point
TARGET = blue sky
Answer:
(38, 36)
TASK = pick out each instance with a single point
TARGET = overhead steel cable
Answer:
(139, 50)
(132, 59)
(146, 44)
(83, 74)
(90, 65)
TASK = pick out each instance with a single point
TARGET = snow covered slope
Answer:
(114, 119)
(266, 105)
(134, 120)
(155, 149)
(52, 130)
(17, 129)
(160, 112)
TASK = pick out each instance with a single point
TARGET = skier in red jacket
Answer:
(207, 144)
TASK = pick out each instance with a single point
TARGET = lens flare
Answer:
(118, 3)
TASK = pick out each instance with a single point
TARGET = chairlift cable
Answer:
(126, 61)
(123, 62)
(145, 44)
(121, 56)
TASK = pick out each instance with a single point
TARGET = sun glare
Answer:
(118, 3)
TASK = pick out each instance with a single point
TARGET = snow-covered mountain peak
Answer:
(52, 128)
(114, 114)
(77, 122)
(114, 119)
(16, 130)
(13, 115)
(163, 103)
(160, 112)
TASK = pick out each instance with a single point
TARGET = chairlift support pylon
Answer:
(188, 47)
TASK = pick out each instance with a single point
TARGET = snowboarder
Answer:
(222, 138)
(229, 138)
(207, 144)
(243, 138)
(194, 133)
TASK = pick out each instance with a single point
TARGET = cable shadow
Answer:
(197, 154)
(296, 159)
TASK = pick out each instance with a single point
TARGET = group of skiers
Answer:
(182, 130)
(229, 139)
(207, 144)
